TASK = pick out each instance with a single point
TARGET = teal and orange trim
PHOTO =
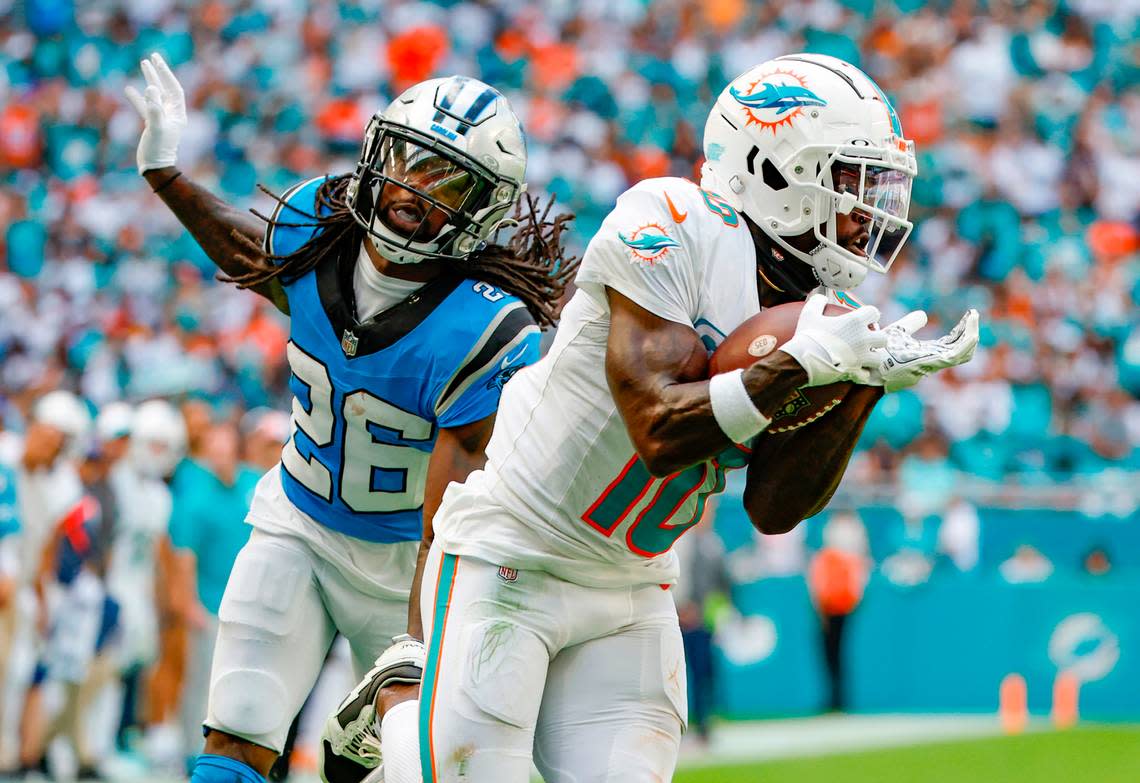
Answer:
(444, 585)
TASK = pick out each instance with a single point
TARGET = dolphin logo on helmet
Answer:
(781, 97)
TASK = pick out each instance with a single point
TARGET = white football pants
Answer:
(592, 680)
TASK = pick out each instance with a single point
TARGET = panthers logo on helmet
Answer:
(775, 99)
(649, 243)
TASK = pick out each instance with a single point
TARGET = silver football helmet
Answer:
(440, 169)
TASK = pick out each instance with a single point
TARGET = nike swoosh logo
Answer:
(509, 360)
(678, 217)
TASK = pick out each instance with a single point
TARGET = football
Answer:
(759, 336)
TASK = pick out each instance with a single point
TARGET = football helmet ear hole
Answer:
(772, 176)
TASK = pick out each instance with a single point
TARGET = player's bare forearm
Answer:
(415, 617)
(792, 475)
(215, 225)
(652, 366)
(457, 452)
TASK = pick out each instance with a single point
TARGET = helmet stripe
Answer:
(457, 85)
(479, 105)
(896, 126)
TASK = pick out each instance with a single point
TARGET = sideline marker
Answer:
(1066, 700)
(1013, 704)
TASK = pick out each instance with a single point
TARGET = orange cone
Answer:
(1066, 698)
(1013, 704)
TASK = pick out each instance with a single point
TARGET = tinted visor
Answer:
(882, 201)
(421, 190)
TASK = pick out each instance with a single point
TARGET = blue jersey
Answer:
(369, 398)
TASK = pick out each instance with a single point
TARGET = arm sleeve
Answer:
(471, 392)
(642, 253)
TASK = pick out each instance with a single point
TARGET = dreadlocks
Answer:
(530, 265)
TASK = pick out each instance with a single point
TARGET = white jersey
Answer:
(563, 490)
(143, 507)
(43, 497)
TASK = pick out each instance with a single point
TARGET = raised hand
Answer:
(162, 106)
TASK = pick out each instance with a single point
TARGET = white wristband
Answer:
(733, 408)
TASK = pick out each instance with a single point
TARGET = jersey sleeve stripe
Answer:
(510, 327)
(268, 243)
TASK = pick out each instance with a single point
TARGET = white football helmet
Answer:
(158, 438)
(795, 141)
(67, 413)
(113, 421)
(450, 146)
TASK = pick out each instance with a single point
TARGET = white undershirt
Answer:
(376, 292)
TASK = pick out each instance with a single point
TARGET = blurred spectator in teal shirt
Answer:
(208, 522)
(207, 530)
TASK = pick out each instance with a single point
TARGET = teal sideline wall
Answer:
(945, 645)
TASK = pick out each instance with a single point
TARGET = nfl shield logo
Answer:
(348, 343)
(508, 574)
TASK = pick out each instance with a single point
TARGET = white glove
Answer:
(835, 348)
(905, 359)
(163, 109)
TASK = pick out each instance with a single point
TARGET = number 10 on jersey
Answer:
(661, 521)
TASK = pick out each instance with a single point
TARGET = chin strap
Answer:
(785, 274)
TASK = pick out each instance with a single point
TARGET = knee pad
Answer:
(259, 613)
(251, 704)
(506, 669)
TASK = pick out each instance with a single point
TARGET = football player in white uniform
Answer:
(156, 443)
(44, 463)
(549, 634)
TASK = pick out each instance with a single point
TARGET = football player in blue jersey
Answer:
(406, 319)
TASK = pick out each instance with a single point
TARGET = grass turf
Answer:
(1100, 754)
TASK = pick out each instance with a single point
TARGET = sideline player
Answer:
(406, 320)
(549, 636)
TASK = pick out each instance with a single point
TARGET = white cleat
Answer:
(350, 742)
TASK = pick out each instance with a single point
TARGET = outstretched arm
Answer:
(227, 234)
(792, 475)
(216, 226)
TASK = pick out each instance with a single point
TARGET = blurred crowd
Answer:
(119, 533)
(1025, 114)
(1027, 121)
